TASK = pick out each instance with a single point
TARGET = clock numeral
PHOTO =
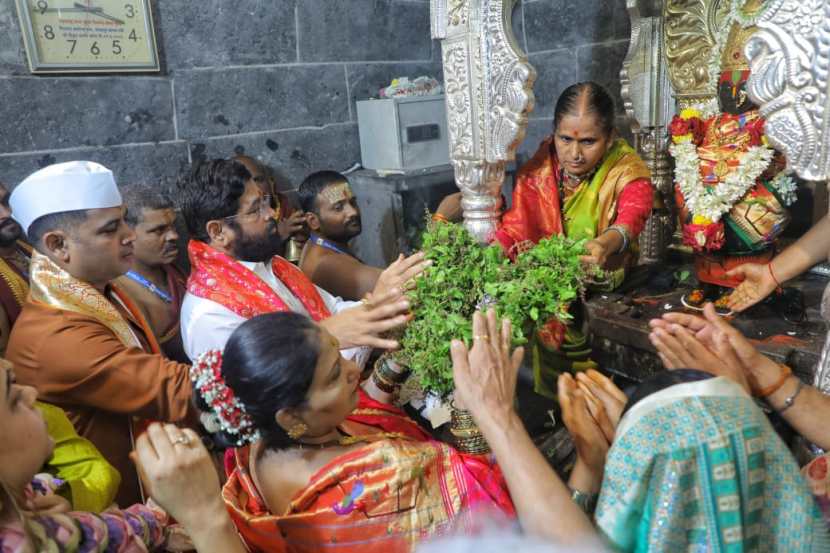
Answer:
(48, 32)
(133, 36)
(116, 47)
(42, 5)
(74, 43)
(129, 10)
(94, 48)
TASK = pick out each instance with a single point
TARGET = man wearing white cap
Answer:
(79, 340)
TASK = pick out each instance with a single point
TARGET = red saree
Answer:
(384, 497)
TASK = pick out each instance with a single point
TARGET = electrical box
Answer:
(402, 134)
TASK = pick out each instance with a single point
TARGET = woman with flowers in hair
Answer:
(318, 459)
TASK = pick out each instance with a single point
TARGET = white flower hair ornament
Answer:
(226, 413)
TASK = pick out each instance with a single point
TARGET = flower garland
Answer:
(713, 202)
(227, 412)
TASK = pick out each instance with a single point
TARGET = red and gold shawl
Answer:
(218, 277)
(385, 497)
(537, 211)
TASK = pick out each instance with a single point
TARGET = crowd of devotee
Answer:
(244, 402)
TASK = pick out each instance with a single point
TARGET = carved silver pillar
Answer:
(488, 84)
(789, 58)
(649, 105)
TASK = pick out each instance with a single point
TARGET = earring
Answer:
(297, 430)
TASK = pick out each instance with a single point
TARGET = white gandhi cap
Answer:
(70, 186)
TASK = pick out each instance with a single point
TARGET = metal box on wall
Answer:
(402, 134)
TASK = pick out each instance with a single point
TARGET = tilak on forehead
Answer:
(337, 192)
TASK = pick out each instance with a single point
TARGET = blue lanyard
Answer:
(150, 286)
(323, 243)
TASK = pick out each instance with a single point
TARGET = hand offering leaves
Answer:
(539, 285)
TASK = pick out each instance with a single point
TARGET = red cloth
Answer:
(634, 206)
(536, 212)
(218, 277)
(396, 491)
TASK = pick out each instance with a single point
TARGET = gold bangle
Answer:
(383, 384)
(475, 446)
(382, 367)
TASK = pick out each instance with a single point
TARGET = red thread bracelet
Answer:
(777, 284)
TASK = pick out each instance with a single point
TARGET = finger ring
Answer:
(184, 440)
(481, 337)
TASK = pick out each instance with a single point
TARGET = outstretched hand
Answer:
(364, 324)
(401, 274)
(757, 284)
(711, 345)
(485, 375)
(596, 253)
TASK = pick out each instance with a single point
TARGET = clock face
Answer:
(88, 35)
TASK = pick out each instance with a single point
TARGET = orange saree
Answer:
(386, 497)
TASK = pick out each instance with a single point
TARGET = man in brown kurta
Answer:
(78, 340)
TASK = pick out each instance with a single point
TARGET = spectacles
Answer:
(262, 211)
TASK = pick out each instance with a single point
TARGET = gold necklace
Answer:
(347, 440)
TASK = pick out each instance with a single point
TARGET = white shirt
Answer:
(207, 325)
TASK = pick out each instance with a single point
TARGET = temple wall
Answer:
(276, 80)
(569, 41)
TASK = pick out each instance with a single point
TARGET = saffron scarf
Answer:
(218, 277)
(386, 497)
(697, 467)
(50, 285)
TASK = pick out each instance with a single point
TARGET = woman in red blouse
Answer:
(588, 184)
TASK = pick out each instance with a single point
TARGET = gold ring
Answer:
(184, 440)
(481, 337)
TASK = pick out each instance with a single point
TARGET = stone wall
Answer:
(568, 41)
(276, 80)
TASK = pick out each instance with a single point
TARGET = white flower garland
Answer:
(713, 202)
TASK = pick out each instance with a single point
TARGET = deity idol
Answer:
(730, 186)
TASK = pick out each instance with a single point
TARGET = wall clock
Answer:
(80, 36)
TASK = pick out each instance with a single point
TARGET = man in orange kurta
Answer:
(79, 340)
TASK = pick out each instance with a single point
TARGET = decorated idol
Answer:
(730, 186)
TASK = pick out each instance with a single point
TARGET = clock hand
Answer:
(99, 12)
